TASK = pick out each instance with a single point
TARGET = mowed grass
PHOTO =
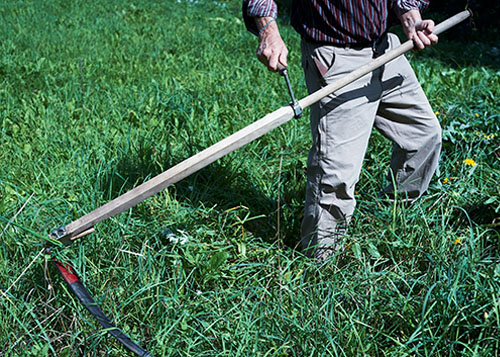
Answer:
(97, 98)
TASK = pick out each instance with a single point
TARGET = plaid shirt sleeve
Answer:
(258, 8)
(402, 6)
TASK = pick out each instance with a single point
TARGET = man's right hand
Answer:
(272, 51)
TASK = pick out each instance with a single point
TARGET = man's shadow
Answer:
(372, 91)
(224, 185)
(221, 184)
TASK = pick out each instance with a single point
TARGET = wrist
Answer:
(410, 19)
(265, 24)
(262, 21)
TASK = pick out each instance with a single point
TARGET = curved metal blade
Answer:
(82, 293)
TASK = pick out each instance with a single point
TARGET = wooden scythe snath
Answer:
(84, 225)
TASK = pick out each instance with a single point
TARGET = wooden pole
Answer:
(83, 225)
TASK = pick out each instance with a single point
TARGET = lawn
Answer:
(98, 97)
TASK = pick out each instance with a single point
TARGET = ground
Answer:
(97, 98)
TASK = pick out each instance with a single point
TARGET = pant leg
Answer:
(340, 124)
(406, 118)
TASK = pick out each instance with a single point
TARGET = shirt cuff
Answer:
(258, 8)
(402, 6)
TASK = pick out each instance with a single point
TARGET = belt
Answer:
(355, 46)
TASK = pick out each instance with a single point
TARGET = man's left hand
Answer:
(418, 30)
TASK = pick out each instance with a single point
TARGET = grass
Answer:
(97, 98)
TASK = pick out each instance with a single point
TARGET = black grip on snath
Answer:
(297, 110)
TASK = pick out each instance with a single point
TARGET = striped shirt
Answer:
(338, 22)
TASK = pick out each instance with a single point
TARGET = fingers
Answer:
(427, 26)
(273, 60)
(423, 36)
(273, 56)
(277, 60)
(421, 40)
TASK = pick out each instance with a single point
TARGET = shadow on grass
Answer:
(221, 184)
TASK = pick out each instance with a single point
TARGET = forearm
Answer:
(266, 24)
(253, 9)
(402, 6)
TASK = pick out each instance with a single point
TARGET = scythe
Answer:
(67, 234)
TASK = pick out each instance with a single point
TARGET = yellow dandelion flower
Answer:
(469, 162)
(477, 115)
(457, 241)
(437, 113)
(446, 180)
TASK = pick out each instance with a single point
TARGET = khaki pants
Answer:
(391, 99)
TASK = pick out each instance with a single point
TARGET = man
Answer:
(337, 38)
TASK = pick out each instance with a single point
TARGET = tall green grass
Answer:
(97, 98)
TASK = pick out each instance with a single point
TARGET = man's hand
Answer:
(272, 51)
(418, 30)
